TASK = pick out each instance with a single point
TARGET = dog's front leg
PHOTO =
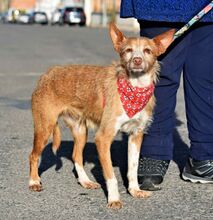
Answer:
(103, 141)
(134, 145)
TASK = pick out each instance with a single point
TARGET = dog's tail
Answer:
(56, 138)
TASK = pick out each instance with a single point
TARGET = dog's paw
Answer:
(115, 205)
(90, 185)
(35, 185)
(137, 193)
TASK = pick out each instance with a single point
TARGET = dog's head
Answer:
(138, 55)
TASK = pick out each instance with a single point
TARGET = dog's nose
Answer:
(137, 61)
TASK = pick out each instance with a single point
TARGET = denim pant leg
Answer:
(158, 142)
(198, 86)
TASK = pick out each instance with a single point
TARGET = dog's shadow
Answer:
(118, 155)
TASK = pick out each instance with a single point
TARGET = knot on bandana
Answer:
(133, 99)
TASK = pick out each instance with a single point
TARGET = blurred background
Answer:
(61, 12)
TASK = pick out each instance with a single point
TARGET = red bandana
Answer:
(134, 99)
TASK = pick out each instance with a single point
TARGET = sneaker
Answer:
(151, 173)
(198, 171)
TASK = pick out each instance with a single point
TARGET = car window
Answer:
(74, 9)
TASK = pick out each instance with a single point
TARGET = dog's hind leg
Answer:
(56, 138)
(79, 132)
(134, 145)
(42, 130)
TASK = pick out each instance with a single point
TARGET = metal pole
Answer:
(114, 12)
(8, 4)
(104, 13)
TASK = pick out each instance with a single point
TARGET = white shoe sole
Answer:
(195, 179)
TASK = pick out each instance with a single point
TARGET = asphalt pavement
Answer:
(25, 53)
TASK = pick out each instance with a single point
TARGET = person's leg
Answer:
(198, 85)
(157, 147)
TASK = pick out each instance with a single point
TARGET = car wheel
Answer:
(61, 22)
(82, 24)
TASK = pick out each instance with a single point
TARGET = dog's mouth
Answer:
(137, 69)
(136, 72)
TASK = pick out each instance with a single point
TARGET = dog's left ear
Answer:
(163, 41)
(117, 37)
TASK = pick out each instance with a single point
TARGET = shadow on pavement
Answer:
(118, 154)
(181, 150)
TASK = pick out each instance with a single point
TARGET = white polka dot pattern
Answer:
(134, 99)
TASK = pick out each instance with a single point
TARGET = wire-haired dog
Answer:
(111, 98)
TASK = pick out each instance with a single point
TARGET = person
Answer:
(192, 55)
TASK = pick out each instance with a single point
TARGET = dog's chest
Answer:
(140, 121)
(133, 100)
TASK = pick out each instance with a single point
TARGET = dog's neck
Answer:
(142, 81)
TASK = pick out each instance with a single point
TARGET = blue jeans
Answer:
(192, 56)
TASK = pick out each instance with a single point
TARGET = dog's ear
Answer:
(117, 36)
(163, 41)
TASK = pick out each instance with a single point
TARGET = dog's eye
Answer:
(147, 51)
(128, 50)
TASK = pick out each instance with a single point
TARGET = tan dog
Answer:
(91, 95)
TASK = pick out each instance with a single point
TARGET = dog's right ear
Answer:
(163, 41)
(117, 37)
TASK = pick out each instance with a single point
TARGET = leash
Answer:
(195, 19)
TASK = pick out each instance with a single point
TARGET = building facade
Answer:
(23, 4)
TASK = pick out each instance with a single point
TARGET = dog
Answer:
(109, 98)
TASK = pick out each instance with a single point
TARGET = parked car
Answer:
(3, 17)
(40, 18)
(9, 16)
(25, 18)
(56, 16)
(72, 15)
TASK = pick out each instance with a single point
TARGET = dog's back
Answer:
(75, 89)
